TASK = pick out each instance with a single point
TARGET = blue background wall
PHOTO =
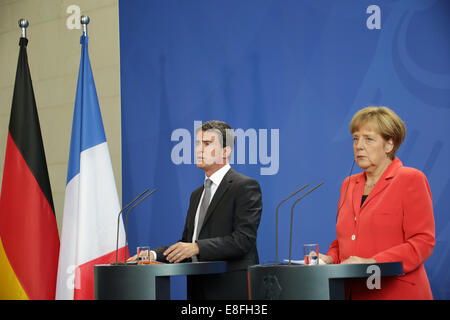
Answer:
(303, 67)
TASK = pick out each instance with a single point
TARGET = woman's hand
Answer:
(326, 259)
(357, 260)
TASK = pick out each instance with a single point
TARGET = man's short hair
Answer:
(223, 129)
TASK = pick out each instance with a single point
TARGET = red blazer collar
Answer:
(388, 173)
(382, 183)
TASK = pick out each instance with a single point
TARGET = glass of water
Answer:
(311, 254)
(143, 255)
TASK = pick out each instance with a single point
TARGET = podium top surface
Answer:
(335, 270)
(168, 269)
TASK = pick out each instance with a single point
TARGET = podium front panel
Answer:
(300, 282)
(145, 282)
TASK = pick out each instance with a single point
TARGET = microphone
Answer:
(276, 220)
(126, 219)
(292, 218)
(118, 219)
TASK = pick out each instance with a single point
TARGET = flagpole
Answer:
(23, 24)
(85, 21)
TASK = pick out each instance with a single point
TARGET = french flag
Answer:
(91, 204)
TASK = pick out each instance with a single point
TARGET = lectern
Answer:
(319, 282)
(145, 282)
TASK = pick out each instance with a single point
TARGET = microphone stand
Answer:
(118, 219)
(276, 220)
(126, 220)
(292, 218)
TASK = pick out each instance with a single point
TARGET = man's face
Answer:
(209, 153)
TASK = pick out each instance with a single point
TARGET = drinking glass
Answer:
(311, 254)
(144, 255)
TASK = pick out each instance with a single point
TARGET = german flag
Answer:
(29, 245)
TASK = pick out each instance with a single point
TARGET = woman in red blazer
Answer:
(385, 213)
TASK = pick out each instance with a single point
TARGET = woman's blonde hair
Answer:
(387, 123)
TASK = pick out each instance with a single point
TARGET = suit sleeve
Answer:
(246, 218)
(418, 225)
(159, 254)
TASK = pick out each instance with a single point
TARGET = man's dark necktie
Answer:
(204, 206)
(203, 209)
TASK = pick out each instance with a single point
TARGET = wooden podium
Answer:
(145, 282)
(319, 282)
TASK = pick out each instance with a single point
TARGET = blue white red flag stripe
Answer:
(91, 204)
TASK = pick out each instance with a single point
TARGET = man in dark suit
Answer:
(222, 219)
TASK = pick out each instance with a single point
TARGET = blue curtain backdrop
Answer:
(300, 67)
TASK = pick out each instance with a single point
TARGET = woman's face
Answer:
(370, 148)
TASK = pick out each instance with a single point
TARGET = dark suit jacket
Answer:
(228, 233)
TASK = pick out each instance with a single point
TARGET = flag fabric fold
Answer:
(29, 245)
(91, 204)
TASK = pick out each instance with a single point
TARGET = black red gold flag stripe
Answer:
(29, 246)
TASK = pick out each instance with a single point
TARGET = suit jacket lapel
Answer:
(384, 181)
(193, 211)
(196, 198)
(357, 193)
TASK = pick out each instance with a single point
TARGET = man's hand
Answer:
(180, 251)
